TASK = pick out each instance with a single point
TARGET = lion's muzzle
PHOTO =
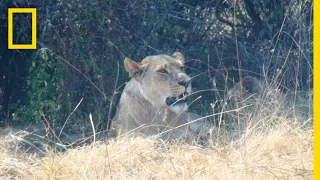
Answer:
(182, 98)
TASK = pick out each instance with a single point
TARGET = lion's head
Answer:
(154, 101)
(163, 81)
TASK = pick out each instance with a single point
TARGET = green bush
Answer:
(83, 43)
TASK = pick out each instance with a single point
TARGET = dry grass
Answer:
(275, 143)
(284, 151)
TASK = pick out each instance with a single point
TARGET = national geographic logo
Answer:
(33, 12)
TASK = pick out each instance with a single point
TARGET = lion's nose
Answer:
(185, 83)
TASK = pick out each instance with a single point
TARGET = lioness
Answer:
(154, 101)
(254, 99)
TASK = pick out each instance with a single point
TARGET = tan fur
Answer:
(252, 100)
(143, 108)
(242, 98)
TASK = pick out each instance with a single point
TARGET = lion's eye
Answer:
(163, 71)
(182, 68)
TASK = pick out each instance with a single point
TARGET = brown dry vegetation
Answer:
(282, 151)
(272, 139)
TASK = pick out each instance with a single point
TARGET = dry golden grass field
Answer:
(284, 151)
(276, 142)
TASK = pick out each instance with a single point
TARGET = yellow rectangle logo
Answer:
(33, 12)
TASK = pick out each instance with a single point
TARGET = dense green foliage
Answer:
(81, 45)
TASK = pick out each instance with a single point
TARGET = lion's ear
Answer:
(132, 67)
(179, 56)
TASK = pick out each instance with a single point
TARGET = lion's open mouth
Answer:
(182, 98)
